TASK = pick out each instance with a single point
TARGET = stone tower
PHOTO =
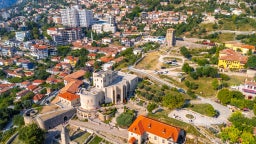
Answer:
(170, 37)
(65, 136)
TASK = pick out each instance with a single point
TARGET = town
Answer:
(127, 71)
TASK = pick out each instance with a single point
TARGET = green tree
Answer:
(230, 134)
(251, 63)
(247, 138)
(63, 50)
(172, 101)
(125, 119)
(215, 84)
(224, 96)
(32, 134)
(18, 120)
(254, 109)
(186, 68)
(184, 51)
(151, 107)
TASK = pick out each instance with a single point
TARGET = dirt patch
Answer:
(49, 108)
(150, 62)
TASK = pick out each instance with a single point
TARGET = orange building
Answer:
(147, 130)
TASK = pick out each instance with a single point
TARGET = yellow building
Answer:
(229, 59)
(239, 47)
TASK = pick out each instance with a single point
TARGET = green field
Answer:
(204, 109)
(96, 140)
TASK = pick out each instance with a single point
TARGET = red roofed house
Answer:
(38, 82)
(155, 132)
(38, 97)
(69, 99)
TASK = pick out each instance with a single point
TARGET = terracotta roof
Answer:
(69, 96)
(72, 86)
(132, 140)
(92, 54)
(38, 81)
(143, 124)
(32, 87)
(231, 55)
(75, 75)
(38, 97)
(251, 83)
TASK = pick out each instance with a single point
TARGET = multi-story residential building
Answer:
(239, 47)
(104, 27)
(146, 130)
(76, 17)
(7, 50)
(42, 51)
(109, 87)
(22, 35)
(231, 60)
(63, 36)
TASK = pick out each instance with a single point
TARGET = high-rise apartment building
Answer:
(76, 17)
(170, 37)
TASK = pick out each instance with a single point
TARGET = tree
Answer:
(251, 63)
(63, 50)
(230, 134)
(41, 74)
(247, 138)
(184, 51)
(31, 134)
(186, 68)
(151, 107)
(254, 109)
(215, 84)
(172, 101)
(125, 119)
(224, 96)
(18, 120)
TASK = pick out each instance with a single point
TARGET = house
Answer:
(71, 60)
(231, 60)
(92, 56)
(37, 97)
(7, 50)
(239, 47)
(40, 51)
(38, 82)
(148, 130)
(249, 89)
(69, 99)
(24, 63)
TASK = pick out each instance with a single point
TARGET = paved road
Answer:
(224, 112)
(236, 32)
(112, 132)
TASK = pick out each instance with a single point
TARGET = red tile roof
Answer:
(38, 97)
(32, 87)
(132, 140)
(231, 55)
(143, 124)
(69, 96)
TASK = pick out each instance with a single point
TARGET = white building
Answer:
(76, 17)
(104, 27)
(108, 87)
(22, 35)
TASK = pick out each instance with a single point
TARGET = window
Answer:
(163, 141)
(155, 138)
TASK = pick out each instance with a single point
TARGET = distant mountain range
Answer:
(7, 3)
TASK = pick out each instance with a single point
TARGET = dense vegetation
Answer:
(163, 95)
(31, 134)
(240, 131)
(125, 119)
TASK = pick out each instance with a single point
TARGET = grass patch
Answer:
(163, 116)
(81, 137)
(150, 62)
(204, 109)
(96, 140)
(236, 80)
(226, 37)
(189, 116)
